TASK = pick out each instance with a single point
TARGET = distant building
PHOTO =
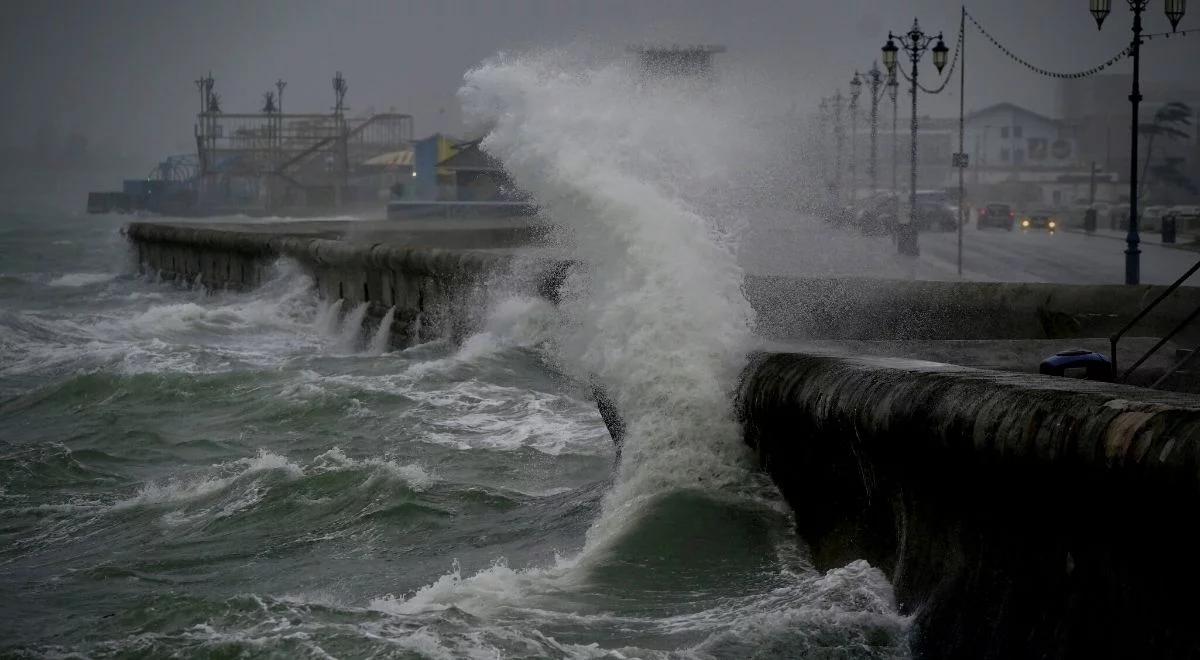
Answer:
(478, 177)
(431, 182)
(676, 61)
(1016, 156)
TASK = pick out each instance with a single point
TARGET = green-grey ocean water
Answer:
(236, 475)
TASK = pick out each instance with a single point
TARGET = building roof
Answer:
(471, 158)
(1011, 107)
(401, 158)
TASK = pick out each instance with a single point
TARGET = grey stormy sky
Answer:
(121, 71)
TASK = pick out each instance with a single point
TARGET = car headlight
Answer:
(1025, 223)
(1051, 224)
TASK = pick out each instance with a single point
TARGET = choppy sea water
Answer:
(195, 474)
(219, 474)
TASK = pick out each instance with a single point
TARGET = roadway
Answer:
(1059, 257)
(813, 248)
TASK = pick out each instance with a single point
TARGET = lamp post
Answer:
(915, 42)
(1174, 9)
(839, 138)
(824, 147)
(893, 87)
(874, 81)
(855, 92)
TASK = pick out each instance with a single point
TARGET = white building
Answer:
(1022, 157)
(1016, 156)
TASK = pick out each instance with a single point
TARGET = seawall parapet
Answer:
(872, 309)
(1016, 515)
(434, 290)
(356, 253)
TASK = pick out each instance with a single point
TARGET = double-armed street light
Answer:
(893, 87)
(873, 79)
(839, 138)
(914, 42)
(823, 126)
(855, 92)
(1174, 9)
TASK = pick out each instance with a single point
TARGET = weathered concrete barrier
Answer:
(1017, 515)
(849, 308)
(392, 263)
(433, 291)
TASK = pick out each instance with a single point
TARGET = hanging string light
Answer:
(1055, 74)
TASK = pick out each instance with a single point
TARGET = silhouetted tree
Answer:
(1171, 122)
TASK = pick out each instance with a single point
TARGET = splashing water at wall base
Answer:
(655, 311)
(381, 341)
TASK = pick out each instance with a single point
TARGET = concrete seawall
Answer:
(397, 261)
(856, 309)
(1016, 515)
(434, 291)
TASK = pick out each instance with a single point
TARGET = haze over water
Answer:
(191, 473)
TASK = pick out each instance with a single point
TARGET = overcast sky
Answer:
(121, 71)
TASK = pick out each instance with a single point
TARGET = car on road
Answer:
(876, 215)
(935, 216)
(1000, 216)
(1040, 219)
(1151, 219)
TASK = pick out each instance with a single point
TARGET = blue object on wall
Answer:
(1094, 365)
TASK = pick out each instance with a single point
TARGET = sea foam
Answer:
(655, 311)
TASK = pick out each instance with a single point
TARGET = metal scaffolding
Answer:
(272, 159)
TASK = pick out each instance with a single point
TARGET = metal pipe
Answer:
(1176, 367)
(1146, 310)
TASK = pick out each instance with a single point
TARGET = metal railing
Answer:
(1161, 342)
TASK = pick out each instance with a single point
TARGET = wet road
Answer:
(808, 247)
(1061, 257)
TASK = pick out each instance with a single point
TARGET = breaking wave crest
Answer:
(655, 311)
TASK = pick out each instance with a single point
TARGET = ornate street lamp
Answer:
(1174, 10)
(889, 55)
(839, 137)
(1100, 9)
(893, 87)
(915, 42)
(873, 79)
(855, 93)
(939, 54)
